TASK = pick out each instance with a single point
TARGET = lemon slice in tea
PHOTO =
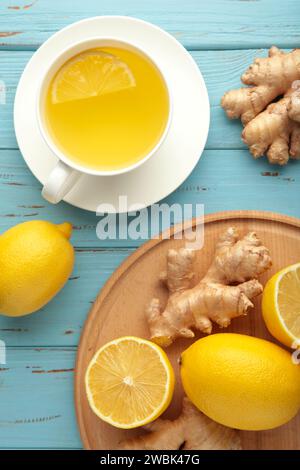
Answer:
(281, 305)
(129, 382)
(89, 74)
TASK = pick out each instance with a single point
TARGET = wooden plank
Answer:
(217, 24)
(36, 383)
(222, 179)
(117, 312)
(221, 71)
(61, 321)
(36, 406)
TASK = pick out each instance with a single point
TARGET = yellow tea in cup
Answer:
(107, 108)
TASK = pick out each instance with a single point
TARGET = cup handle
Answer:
(60, 181)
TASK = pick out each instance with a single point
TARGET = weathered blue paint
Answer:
(36, 383)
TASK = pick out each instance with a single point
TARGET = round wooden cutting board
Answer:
(119, 311)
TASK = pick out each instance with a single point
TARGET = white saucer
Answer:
(180, 152)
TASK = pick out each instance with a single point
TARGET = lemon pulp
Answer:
(288, 299)
(92, 73)
(107, 109)
(129, 382)
(281, 305)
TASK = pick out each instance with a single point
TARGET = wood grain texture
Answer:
(36, 392)
(222, 179)
(224, 36)
(118, 311)
(217, 24)
(61, 321)
(221, 71)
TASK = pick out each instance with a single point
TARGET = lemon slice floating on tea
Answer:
(91, 73)
(281, 305)
(129, 382)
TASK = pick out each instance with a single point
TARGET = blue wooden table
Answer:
(223, 36)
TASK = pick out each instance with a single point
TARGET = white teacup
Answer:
(66, 173)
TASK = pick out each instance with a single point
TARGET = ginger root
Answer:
(224, 293)
(294, 103)
(269, 128)
(273, 133)
(191, 431)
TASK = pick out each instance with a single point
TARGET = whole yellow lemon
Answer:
(36, 259)
(241, 381)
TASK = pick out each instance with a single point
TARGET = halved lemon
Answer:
(129, 382)
(281, 305)
(91, 73)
